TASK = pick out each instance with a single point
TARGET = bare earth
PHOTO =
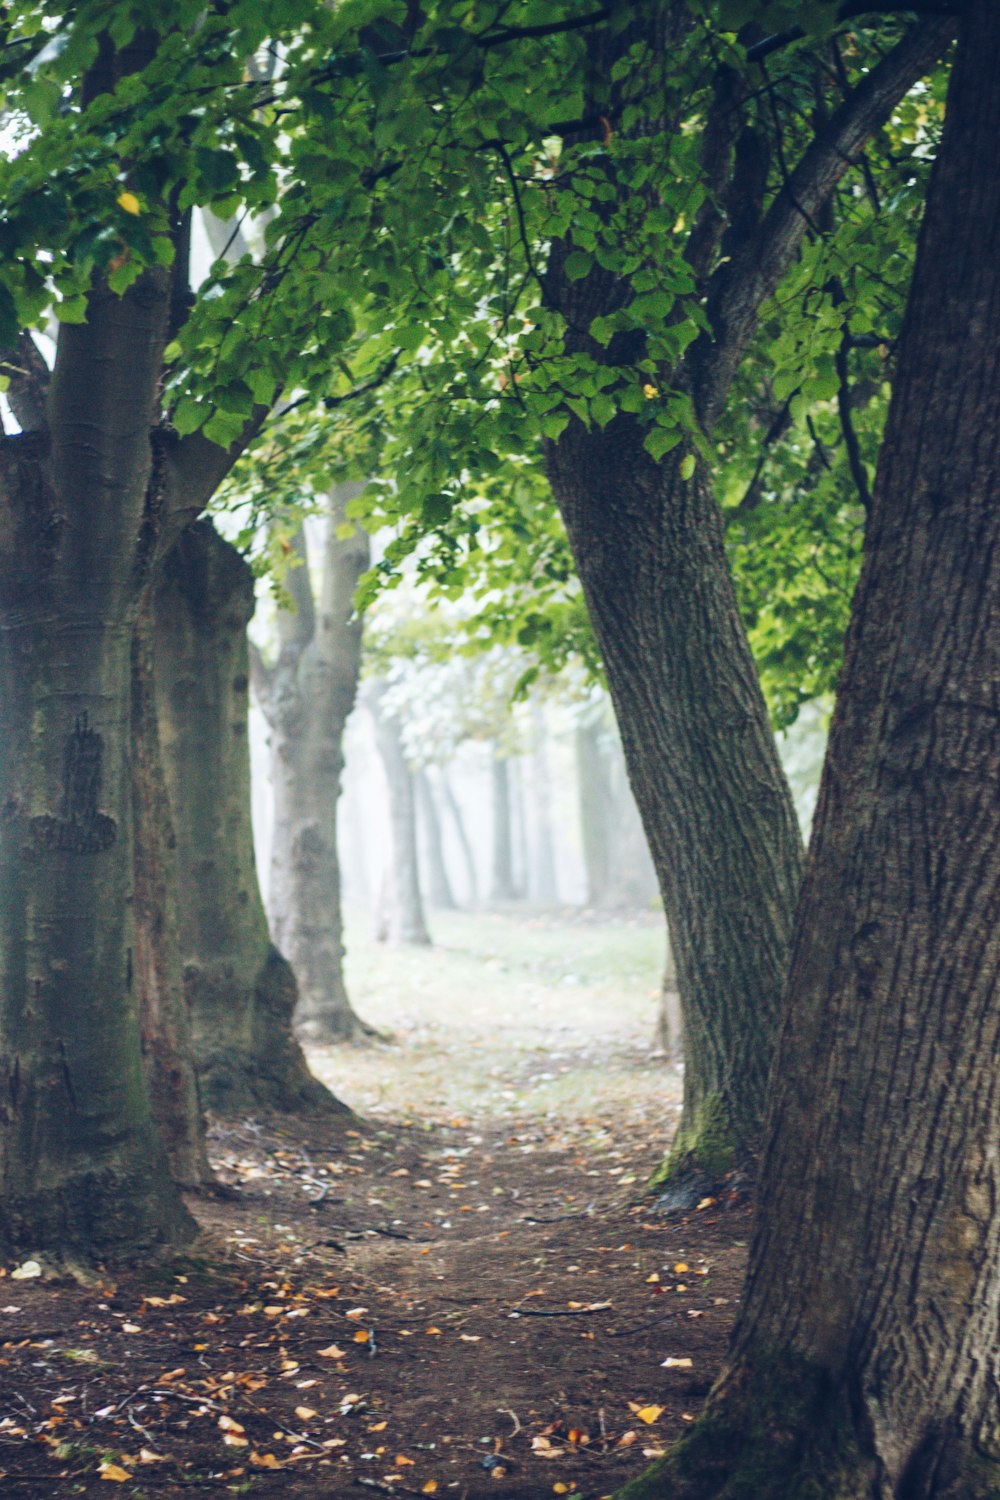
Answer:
(463, 1293)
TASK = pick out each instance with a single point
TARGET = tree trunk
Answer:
(407, 925)
(702, 761)
(595, 811)
(545, 888)
(647, 538)
(866, 1359)
(82, 1169)
(308, 697)
(240, 990)
(171, 1075)
(458, 824)
(502, 887)
(438, 885)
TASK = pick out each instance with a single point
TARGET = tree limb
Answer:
(741, 285)
(29, 383)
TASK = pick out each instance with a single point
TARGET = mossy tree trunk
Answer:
(647, 538)
(866, 1359)
(168, 1054)
(241, 991)
(82, 1168)
(307, 697)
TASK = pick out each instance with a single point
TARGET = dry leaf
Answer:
(113, 1471)
(649, 1414)
(229, 1425)
(401, 1460)
(27, 1271)
(430, 1488)
(655, 1277)
(432, 1330)
(680, 1268)
(362, 1336)
(675, 1364)
(627, 1439)
(470, 1338)
(332, 1352)
(356, 1312)
(304, 1413)
(265, 1461)
(146, 1456)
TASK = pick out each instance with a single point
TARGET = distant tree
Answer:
(403, 921)
(307, 696)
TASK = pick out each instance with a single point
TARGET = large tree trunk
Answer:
(240, 990)
(702, 762)
(866, 1360)
(171, 1074)
(82, 1168)
(402, 903)
(647, 538)
(439, 890)
(307, 697)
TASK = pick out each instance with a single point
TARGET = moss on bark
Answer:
(705, 1147)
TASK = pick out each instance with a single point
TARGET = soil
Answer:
(479, 1305)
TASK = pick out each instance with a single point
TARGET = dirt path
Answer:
(471, 1303)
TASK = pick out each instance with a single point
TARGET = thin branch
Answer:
(29, 383)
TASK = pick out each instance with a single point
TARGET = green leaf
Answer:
(687, 465)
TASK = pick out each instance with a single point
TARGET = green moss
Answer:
(706, 1144)
(781, 1432)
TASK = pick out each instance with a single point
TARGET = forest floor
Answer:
(463, 1292)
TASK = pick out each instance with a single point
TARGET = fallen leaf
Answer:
(400, 1460)
(670, 1363)
(432, 1330)
(265, 1461)
(26, 1272)
(680, 1268)
(627, 1439)
(146, 1456)
(377, 1427)
(332, 1352)
(115, 1472)
(362, 1336)
(470, 1338)
(649, 1414)
(430, 1488)
(131, 1328)
(304, 1413)
(655, 1277)
(229, 1425)
(705, 1203)
(356, 1312)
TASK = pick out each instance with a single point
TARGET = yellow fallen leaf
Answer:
(655, 1277)
(129, 203)
(705, 1203)
(627, 1439)
(430, 1488)
(228, 1425)
(675, 1364)
(559, 1488)
(680, 1268)
(361, 1337)
(304, 1413)
(356, 1312)
(432, 1330)
(400, 1460)
(649, 1414)
(332, 1352)
(30, 1269)
(265, 1461)
(113, 1471)
(235, 1440)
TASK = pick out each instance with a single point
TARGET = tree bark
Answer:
(502, 886)
(168, 1053)
(240, 990)
(82, 1168)
(647, 538)
(439, 889)
(595, 811)
(307, 697)
(866, 1359)
(406, 924)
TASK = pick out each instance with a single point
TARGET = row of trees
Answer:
(605, 266)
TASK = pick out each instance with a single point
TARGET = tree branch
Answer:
(29, 383)
(195, 467)
(296, 629)
(740, 286)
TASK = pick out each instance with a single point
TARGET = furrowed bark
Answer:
(82, 1169)
(648, 545)
(866, 1359)
(241, 991)
(307, 698)
(168, 1054)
